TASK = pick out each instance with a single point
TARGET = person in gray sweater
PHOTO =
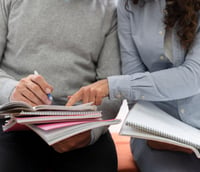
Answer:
(71, 43)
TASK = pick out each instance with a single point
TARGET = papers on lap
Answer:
(52, 123)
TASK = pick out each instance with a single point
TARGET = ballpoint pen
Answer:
(50, 97)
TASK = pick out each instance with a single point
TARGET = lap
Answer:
(150, 160)
(99, 157)
(24, 151)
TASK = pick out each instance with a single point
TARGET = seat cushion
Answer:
(126, 161)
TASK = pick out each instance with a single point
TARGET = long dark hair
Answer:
(184, 15)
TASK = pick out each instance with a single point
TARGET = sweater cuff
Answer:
(6, 88)
(96, 133)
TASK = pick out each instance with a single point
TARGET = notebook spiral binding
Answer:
(161, 133)
(60, 113)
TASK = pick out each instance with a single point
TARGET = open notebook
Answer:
(147, 121)
(19, 106)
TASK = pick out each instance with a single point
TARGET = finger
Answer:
(98, 100)
(25, 99)
(92, 96)
(39, 80)
(86, 95)
(22, 91)
(29, 95)
(40, 97)
(17, 96)
(74, 98)
(99, 95)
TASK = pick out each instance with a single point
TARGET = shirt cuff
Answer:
(119, 87)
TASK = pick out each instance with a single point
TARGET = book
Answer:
(49, 116)
(14, 122)
(21, 113)
(52, 133)
(147, 121)
(19, 106)
(52, 123)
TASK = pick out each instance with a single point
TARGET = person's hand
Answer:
(33, 90)
(166, 146)
(74, 142)
(92, 93)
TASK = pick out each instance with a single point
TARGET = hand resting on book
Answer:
(74, 142)
(166, 146)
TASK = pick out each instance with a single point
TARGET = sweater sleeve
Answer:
(109, 58)
(108, 64)
(7, 83)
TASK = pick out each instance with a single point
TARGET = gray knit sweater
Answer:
(71, 43)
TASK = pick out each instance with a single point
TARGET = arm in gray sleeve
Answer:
(7, 83)
(108, 64)
(109, 58)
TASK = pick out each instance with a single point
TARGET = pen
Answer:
(50, 97)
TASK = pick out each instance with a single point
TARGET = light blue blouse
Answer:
(147, 73)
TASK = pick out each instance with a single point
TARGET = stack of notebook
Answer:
(52, 123)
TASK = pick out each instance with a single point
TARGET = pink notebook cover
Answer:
(51, 126)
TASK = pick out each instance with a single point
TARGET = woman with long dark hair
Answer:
(160, 53)
(68, 42)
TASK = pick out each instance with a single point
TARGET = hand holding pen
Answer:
(33, 90)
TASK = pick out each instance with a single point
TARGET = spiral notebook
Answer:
(20, 113)
(51, 116)
(23, 118)
(147, 121)
(52, 123)
(18, 106)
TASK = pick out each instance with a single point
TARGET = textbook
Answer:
(146, 121)
(52, 123)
